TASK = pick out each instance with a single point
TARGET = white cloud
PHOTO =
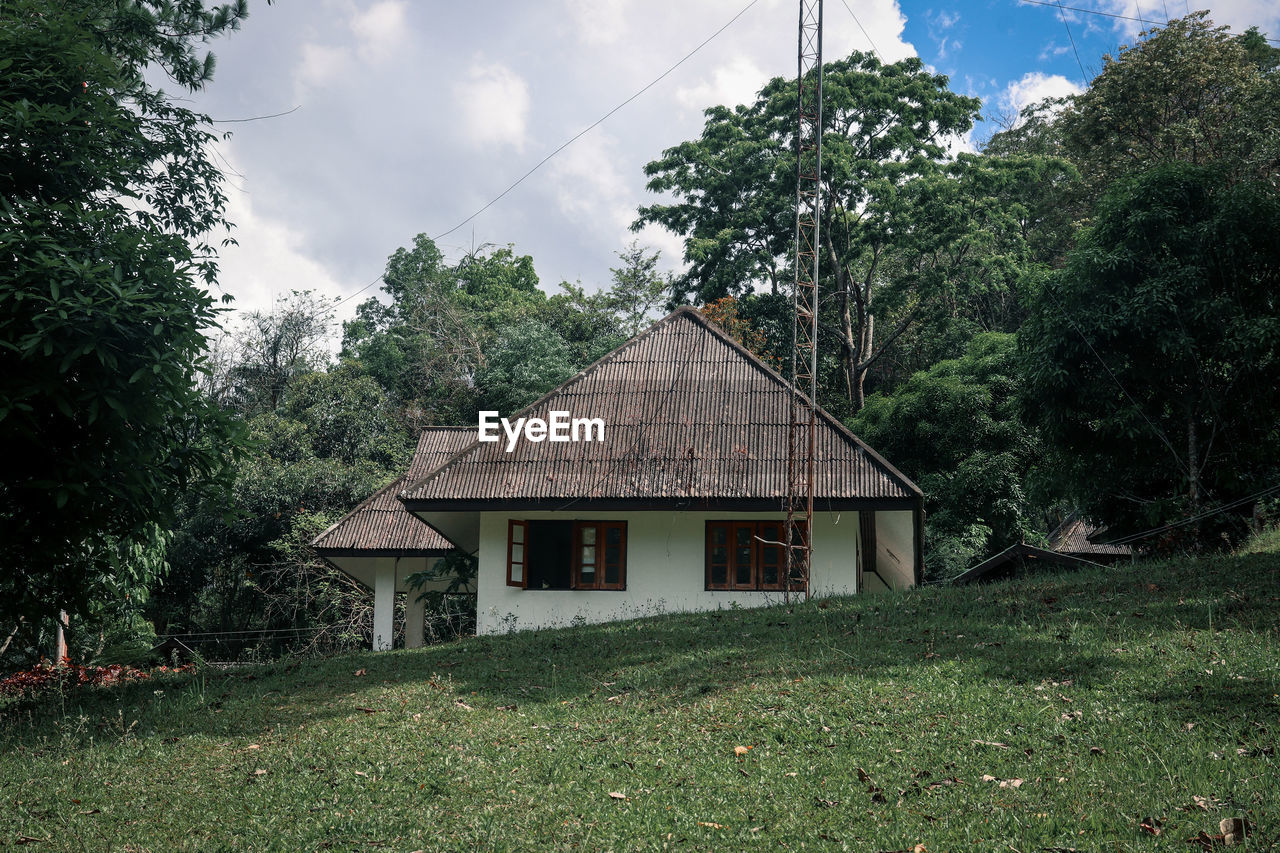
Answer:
(493, 102)
(589, 188)
(597, 21)
(1237, 14)
(321, 64)
(736, 82)
(1035, 86)
(380, 29)
(271, 258)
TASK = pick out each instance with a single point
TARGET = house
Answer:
(676, 502)
(1077, 538)
(380, 544)
(1071, 546)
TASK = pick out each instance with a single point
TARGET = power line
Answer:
(599, 121)
(1100, 13)
(1159, 433)
(864, 31)
(1134, 537)
(1084, 77)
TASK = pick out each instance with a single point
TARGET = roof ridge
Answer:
(608, 357)
(698, 318)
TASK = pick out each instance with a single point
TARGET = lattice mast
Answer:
(802, 432)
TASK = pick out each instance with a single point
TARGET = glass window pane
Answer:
(719, 554)
(743, 535)
(770, 575)
(719, 574)
(588, 555)
(611, 573)
(589, 535)
(613, 535)
(517, 533)
(588, 575)
(743, 575)
(612, 554)
(719, 535)
(517, 552)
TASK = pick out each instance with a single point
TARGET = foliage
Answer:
(724, 313)
(272, 348)
(1151, 357)
(873, 722)
(1189, 92)
(108, 195)
(334, 441)
(957, 431)
(907, 236)
(526, 360)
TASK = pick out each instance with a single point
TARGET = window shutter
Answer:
(517, 553)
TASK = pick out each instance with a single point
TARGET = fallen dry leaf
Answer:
(362, 773)
(360, 672)
(742, 750)
(253, 746)
(1206, 841)
(1150, 825)
(463, 705)
(712, 825)
(259, 773)
(996, 744)
(617, 795)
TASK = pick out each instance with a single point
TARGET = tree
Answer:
(275, 347)
(1189, 92)
(957, 430)
(108, 199)
(1151, 357)
(904, 234)
(637, 289)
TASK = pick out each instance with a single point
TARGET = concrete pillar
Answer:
(414, 620)
(384, 603)
(60, 640)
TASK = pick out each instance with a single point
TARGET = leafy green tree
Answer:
(1189, 92)
(907, 236)
(638, 289)
(273, 348)
(527, 360)
(108, 200)
(1152, 357)
(957, 430)
(335, 439)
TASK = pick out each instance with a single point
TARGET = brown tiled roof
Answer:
(689, 414)
(1075, 536)
(382, 523)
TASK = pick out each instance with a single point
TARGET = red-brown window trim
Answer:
(760, 536)
(601, 544)
(600, 574)
(523, 526)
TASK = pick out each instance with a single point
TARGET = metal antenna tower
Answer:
(802, 430)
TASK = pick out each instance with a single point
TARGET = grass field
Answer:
(1130, 709)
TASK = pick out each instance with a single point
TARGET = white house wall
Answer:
(896, 547)
(665, 569)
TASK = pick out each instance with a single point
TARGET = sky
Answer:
(409, 116)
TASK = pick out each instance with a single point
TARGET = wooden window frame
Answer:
(523, 563)
(601, 528)
(757, 584)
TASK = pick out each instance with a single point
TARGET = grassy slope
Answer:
(1114, 695)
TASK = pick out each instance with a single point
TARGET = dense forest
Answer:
(1079, 318)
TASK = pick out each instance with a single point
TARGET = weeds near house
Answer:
(1130, 709)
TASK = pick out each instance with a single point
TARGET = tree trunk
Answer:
(9, 639)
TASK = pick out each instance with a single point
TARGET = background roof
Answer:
(382, 523)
